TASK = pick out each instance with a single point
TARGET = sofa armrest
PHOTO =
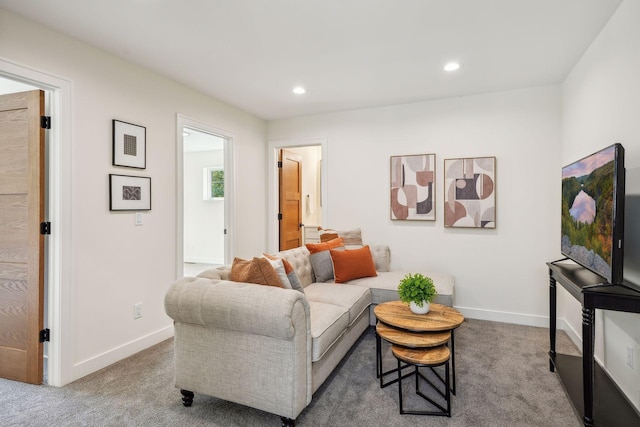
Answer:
(241, 342)
(242, 307)
(218, 273)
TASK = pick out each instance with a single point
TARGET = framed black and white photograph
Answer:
(129, 145)
(129, 193)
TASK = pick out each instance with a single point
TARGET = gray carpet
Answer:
(503, 379)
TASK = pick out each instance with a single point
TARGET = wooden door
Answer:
(290, 167)
(21, 244)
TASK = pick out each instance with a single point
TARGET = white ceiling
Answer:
(197, 141)
(347, 53)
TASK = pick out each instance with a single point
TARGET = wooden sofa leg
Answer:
(187, 397)
(288, 422)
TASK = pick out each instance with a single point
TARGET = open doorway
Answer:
(58, 279)
(312, 190)
(306, 199)
(205, 192)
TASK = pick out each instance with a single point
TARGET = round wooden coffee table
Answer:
(439, 318)
(398, 325)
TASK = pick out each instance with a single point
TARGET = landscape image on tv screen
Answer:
(588, 211)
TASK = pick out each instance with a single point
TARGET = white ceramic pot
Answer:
(419, 310)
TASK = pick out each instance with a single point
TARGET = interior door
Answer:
(290, 168)
(21, 244)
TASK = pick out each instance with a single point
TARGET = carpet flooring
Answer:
(503, 379)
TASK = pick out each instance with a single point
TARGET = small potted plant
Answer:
(418, 291)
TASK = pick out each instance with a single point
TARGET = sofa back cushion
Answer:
(299, 259)
(381, 257)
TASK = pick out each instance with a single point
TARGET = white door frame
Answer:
(58, 244)
(273, 205)
(229, 187)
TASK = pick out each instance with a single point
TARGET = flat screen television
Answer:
(593, 212)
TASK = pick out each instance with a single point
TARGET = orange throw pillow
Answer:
(352, 264)
(256, 270)
(319, 247)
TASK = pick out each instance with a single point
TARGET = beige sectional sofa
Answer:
(271, 348)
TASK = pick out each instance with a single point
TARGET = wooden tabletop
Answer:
(422, 356)
(412, 339)
(439, 318)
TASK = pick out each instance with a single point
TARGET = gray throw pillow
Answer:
(322, 266)
(295, 281)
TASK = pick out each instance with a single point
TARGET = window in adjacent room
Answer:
(213, 183)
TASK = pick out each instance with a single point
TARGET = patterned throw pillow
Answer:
(256, 270)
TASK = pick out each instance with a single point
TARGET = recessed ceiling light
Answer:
(299, 90)
(451, 66)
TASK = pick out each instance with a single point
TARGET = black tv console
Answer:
(594, 395)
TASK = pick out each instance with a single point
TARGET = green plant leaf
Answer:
(416, 288)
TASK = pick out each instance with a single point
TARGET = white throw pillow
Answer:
(278, 266)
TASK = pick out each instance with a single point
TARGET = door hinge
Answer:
(45, 228)
(45, 122)
(279, 164)
(279, 217)
(225, 231)
(45, 335)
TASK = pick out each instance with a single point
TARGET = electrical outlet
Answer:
(630, 357)
(137, 310)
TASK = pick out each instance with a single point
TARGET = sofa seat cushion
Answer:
(328, 323)
(354, 299)
(384, 287)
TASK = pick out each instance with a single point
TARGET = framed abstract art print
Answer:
(413, 187)
(470, 192)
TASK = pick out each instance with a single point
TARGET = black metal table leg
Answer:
(552, 321)
(453, 363)
(588, 336)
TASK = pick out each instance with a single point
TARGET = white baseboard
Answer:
(521, 319)
(573, 334)
(506, 317)
(112, 356)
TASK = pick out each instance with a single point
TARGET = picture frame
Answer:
(129, 193)
(470, 192)
(129, 145)
(412, 187)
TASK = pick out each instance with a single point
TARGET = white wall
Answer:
(204, 219)
(601, 105)
(500, 274)
(113, 263)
